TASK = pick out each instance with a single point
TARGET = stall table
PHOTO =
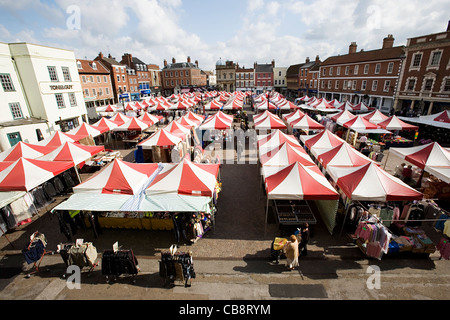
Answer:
(294, 213)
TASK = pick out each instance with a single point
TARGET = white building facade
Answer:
(51, 85)
(16, 118)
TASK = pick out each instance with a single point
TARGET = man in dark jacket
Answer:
(303, 246)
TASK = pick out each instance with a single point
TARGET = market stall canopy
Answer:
(298, 182)
(375, 116)
(177, 129)
(26, 174)
(118, 177)
(287, 105)
(160, 138)
(266, 106)
(218, 121)
(371, 183)
(345, 106)
(306, 123)
(150, 119)
(321, 142)
(359, 124)
(233, 104)
(132, 124)
(86, 130)
(394, 123)
(72, 152)
(194, 117)
(261, 116)
(24, 150)
(293, 116)
(214, 105)
(185, 178)
(270, 122)
(186, 122)
(58, 138)
(441, 119)
(274, 139)
(343, 155)
(119, 118)
(342, 117)
(430, 157)
(286, 154)
(105, 124)
(361, 107)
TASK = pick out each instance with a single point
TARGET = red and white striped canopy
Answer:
(394, 123)
(371, 183)
(185, 178)
(306, 123)
(270, 122)
(177, 129)
(343, 155)
(375, 116)
(321, 142)
(343, 117)
(150, 119)
(194, 117)
(133, 124)
(293, 116)
(26, 174)
(361, 107)
(284, 155)
(160, 138)
(24, 150)
(120, 118)
(58, 138)
(86, 130)
(427, 155)
(218, 121)
(105, 124)
(72, 152)
(298, 182)
(274, 139)
(360, 124)
(118, 177)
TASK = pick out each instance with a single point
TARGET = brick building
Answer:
(264, 76)
(293, 80)
(155, 78)
(244, 78)
(118, 76)
(181, 77)
(424, 86)
(308, 80)
(95, 83)
(139, 77)
(366, 76)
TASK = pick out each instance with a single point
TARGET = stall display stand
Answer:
(176, 266)
(117, 262)
(79, 254)
(35, 251)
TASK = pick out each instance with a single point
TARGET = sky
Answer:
(244, 31)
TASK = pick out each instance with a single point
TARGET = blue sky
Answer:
(245, 31)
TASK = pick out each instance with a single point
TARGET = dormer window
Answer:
(79, 66)
(94, 66)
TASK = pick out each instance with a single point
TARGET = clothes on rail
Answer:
(375, 236)
(81, 255)
(35, 249)
(189, 226)
(119, 262)
(177, 266)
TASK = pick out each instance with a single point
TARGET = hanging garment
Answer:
(20, 209)
(8, 216)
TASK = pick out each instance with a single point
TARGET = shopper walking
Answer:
(304, 233)
(291, 250)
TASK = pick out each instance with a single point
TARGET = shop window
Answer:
(7, 82)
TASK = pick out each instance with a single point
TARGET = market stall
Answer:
(394, 140)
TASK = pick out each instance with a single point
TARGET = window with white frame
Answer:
(98, 79)
(79, 66)
(428, 84)
(86, 92)
(331, 71)
(338, 71)
(366, 69)
(364, 85)
(410, 84)
(66, 74)
(107, 91)
(387, 84)
(377, 68)
(374, 85)
(416, 60)
(72, 99)
(7, 84)
(94, 92)
(390, 67)
(345, 84)
(354, 85)
(347, 70)
(355, 71)
(329, 84)
(52, 73)
(323, 71)
(60, 100)
(445, 84)
(435, 58)
(336, 85)
(16, 111)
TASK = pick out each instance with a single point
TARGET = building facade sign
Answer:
(52, 88)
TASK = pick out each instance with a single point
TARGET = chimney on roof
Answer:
(189, 59)
(448, 26)
(109, 56)
(317, 59)
(173, 60)
(352, 48)
(127, 59)
(307, 60)
(255, 64)
(196, 63)
(388, 42)
(100, 55)
(273, 63)
(165, 63)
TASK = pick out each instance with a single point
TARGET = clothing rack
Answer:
(79, 254)
(119, 262)
(176, 266)
(35, 251)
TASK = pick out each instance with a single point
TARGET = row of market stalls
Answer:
(368, 195)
